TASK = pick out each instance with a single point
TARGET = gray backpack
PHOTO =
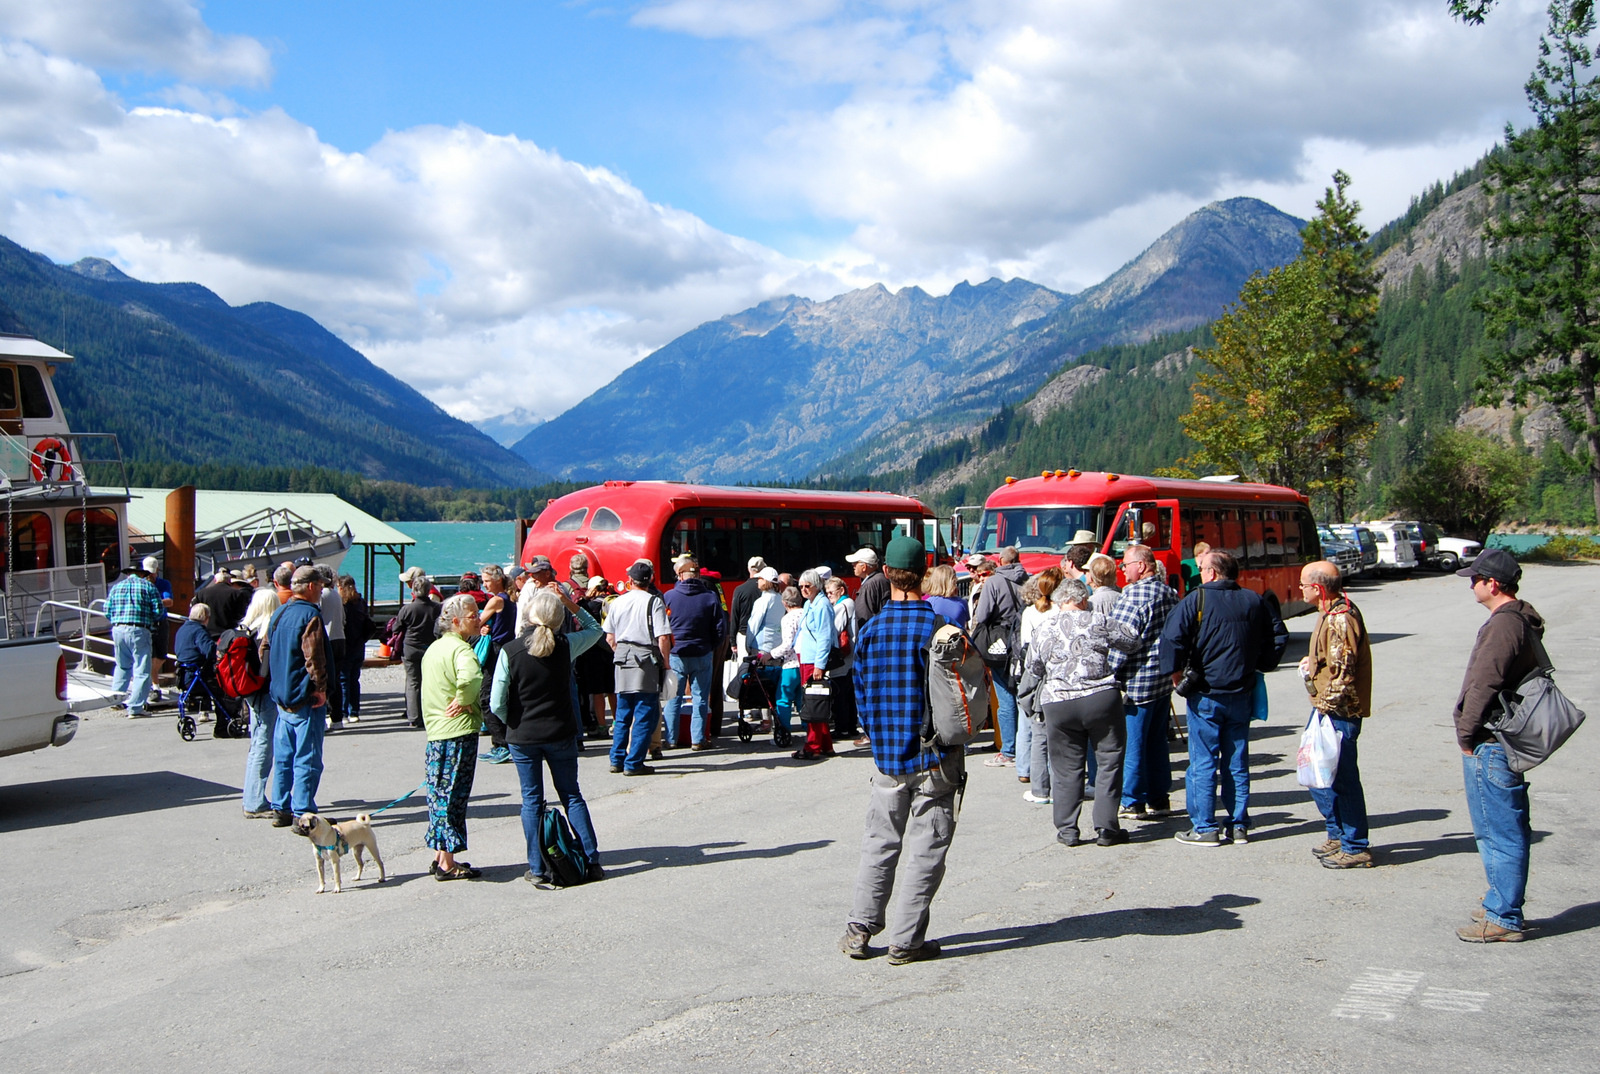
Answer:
(958, 688)
(1536, 719)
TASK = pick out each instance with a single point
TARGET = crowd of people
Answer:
(1083, 677)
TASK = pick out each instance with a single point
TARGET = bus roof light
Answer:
(1112, 477)
(1011, 481)
(1058, 473)
(1073, 473)
(1044, 473)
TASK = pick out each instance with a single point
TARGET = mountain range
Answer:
(864, 381)
(182, 377)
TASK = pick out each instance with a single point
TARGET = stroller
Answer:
(193, 677)
(752, 691)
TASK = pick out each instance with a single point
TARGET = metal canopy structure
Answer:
(371, 538)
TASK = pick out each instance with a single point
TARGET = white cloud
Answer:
(1035, 124)
(141, 35)
(484, 270)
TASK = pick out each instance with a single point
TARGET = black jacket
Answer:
(228, 604)
(417, 620)
(1237, 634)
(871, 597)
(744, 598)
(539, 694)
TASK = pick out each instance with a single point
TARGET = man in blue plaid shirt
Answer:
(134, 608)
(911, 816)
(1147, 763)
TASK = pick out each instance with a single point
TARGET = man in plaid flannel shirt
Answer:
(911, 815)
(1147, 764)
(134, 608)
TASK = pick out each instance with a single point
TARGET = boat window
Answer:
(102, 535)
(605, 520)
(28, 547)
(8, 389)
(35, 399)
(572, 520)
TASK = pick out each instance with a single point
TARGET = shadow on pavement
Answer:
(1573, 919)
(626, 860)
(1216, 914)
(1423, 849)
(80, 798)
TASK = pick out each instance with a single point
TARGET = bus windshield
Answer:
(1035, 529)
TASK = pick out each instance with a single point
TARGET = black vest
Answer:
(538, 694)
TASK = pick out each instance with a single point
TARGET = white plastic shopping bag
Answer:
(1319, 753)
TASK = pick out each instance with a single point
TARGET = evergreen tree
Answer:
(1546, 312)
(1466, 482)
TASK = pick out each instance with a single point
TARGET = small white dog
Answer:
(332, 841)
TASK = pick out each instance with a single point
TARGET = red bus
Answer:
(1268, 528)
(723, 526)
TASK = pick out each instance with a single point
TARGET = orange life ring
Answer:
(37, 462)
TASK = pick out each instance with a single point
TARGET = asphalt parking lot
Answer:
(148, 926)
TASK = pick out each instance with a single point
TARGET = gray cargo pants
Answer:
(913, 815)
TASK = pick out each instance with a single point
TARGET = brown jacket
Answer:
(1509, 646)
(1341, 663)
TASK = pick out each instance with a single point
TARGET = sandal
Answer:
(462, 871)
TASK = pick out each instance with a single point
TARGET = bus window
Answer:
(871, 533)
(1208, 528)
(1255, 541)
(683, 538)
(1034, 529)
(605, 520)
(1298, 536)
(1232, 534)
(1186, 532)
(1272, 524)
(795, 548)
(833, 542)
(719, 545)
(572, 520)
(759, 535)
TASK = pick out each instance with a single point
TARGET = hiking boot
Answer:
(1340, 860)
(854, 941)
(1199, 839)
(616, 769)
(642, 770)
(282, 818)
(1111, 837)
(1322, 850)
(899, 956)
(594, 873)
(1487, 932)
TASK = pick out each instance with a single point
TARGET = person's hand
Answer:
(319, 700)
(1305, 668)
(1177, 677)
(454, 710)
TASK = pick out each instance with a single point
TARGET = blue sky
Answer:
(506, 204)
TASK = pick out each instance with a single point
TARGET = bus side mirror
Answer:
(1135, 522)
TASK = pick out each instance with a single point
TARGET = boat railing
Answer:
(268, 534)
(29, 594)
(89, 459)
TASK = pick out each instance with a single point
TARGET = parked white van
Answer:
(1395, 551)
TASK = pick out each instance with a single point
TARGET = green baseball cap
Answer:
(906, 554)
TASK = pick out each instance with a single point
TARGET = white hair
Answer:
(544, 614)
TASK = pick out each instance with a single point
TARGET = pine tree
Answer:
(1546, 310)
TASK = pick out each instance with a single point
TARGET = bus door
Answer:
(1153, 523)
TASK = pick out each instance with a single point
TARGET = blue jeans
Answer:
(1497, 799)
(1344, 805)
(1006, 715)
(132, 646)
(297, 758)
(1147, 766)
(696, 670)
(258, 764)
(1219, 730)
(636, 712)
(563, 762)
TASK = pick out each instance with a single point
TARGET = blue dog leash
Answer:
(339, 840)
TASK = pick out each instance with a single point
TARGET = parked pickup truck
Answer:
(33, 706)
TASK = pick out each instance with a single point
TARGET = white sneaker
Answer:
(1029, 796)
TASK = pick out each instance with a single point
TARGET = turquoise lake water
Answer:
(453, 547)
